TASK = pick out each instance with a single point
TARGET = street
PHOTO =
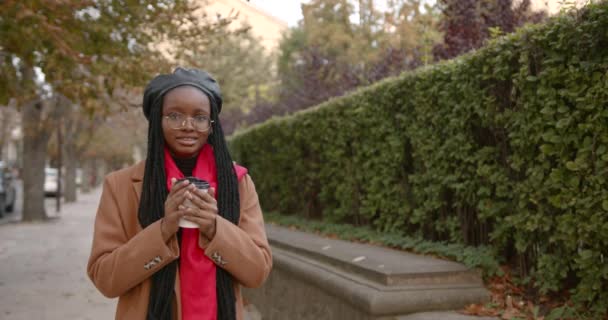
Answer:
(43, 265)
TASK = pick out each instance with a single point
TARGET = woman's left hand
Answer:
(205, 213)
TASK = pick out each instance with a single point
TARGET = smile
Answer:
(187, 141)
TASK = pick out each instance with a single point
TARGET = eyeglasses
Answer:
(199, 122)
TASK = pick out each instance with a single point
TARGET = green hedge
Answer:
(507, 146)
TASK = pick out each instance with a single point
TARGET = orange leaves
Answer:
(503, 303)
(510, 301)
(512, 309)
(47, 25)
(24, 13)
(480, 310)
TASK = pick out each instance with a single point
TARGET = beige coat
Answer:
(124, 257)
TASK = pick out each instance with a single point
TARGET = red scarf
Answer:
(196, 270)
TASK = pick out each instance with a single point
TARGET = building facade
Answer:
(264, 26)
(555, 6)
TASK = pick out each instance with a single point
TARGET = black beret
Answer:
(200, 79)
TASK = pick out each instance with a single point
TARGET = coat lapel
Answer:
(137, 178)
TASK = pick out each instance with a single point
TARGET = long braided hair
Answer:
(152, 203)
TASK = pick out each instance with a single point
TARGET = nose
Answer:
(188, 124)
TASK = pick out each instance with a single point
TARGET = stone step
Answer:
(379, 264)
(318, 278)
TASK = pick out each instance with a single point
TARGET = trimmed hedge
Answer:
(507, 146)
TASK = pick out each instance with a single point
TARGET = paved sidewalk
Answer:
(43, 266)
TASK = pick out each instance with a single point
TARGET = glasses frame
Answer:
(190, 120)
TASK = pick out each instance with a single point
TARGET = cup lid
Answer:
(199, 183)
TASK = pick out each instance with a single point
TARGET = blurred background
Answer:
(72, 75)
(73, 71)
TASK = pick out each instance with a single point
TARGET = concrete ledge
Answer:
(378, 264)
(344, 280)
(376, 299)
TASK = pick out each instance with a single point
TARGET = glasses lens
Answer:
(178, 121)
(175, 120)
(201, 123)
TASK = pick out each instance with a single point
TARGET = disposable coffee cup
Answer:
(199, 184)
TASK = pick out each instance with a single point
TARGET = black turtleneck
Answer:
(186, 166)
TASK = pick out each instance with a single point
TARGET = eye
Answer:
(175, 116)
(201, 118)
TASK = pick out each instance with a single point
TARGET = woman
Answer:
(139, 253)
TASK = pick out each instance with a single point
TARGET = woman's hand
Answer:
(179, 192)
(205, 211)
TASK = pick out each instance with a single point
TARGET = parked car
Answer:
(8, 190)
(78, 177)
(50, 182)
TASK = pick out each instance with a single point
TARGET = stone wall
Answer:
(317, 278)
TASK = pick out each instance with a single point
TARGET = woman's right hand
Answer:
(179, 192)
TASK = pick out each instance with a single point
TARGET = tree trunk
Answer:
(35, 141)
(73, 127)
(69, 148)
(70, 175)
(87, 176)
(4, 129)
(100, 172)
(94, 172)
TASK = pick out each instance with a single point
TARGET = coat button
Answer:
(218, 259)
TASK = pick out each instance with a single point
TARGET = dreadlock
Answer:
(152, 204)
